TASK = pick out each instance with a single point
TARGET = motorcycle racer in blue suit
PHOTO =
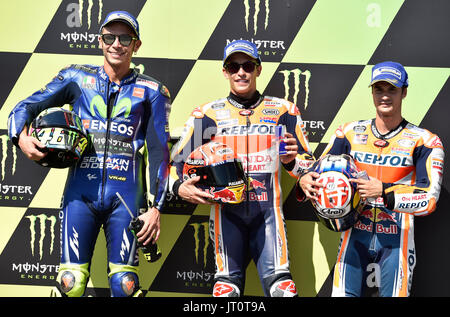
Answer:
(126, 116)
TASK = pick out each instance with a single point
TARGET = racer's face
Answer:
(242, 83)
(388, 99)
(117, 54)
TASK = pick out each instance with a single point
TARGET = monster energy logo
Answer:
(297, 73)
(86, 39)
(4, 141)
(198, 278)
(198, 237)
(255, 14)
(46, 223)
(90, 4)
(76, 18)
(98, 103)
(271, 47)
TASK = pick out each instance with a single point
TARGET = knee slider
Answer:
(124, 284)
(72, 280)
(283, 288)
(226, 289)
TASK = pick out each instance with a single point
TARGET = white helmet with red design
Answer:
(339, 204)
(221, 172)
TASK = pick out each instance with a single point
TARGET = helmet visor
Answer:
(59, 119)
(222, 174)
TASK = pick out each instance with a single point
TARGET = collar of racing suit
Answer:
(244, 103)
(391, 133)
(127, 79)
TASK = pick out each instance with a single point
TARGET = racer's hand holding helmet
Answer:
(338, 204)
(62, 133)
(220, 171)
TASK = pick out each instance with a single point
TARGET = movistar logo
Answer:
(98, 103)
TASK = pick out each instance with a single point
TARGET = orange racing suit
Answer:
(256, 225)
(409, 161)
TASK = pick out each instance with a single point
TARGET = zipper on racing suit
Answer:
(375, 207)
(248, 106)
(248, 179)
(382, 143)
(111, 102)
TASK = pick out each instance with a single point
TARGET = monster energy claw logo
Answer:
(76, 18)
(199, 236)
(196, 277)
(4, 141)
(43, 220)
(297, 73)
(90, 3)
(255, 15)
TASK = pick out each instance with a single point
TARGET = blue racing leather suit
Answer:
(128, 128)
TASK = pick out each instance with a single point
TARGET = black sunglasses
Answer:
(124, 39)
(248, 67)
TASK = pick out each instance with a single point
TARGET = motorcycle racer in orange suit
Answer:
(245, 121)
(405, 164)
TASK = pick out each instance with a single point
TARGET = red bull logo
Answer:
(392, 229)
(224, 195)
(255, 184)
(228, 194)
(368, 213)
(384, 216)
(375, 217)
